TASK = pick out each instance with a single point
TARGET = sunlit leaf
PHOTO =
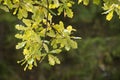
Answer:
(79, 1)
(69, 13)
(96, 1)
(29, 7)
(30, 66)
(35, 63)
(60, 10)
(109, 15)
(85, 2)
(51, 33)
(4, 8)
(27, 22)
(69, 28)
(20, 45)
(25, 51)
(57, 60)
(51, 59)
(56, 51)
(25, 67)
(20, 36)
(46, 48)
(20, 27)
(15, 11)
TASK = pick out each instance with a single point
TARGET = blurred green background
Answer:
(97, 56)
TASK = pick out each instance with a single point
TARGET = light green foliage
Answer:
(40, 36)
(96, 1)
(111, 6)
(53, 59)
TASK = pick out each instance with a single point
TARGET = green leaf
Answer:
(20, 27)
(35, 63)
(20, 45)
(25, 67)
(73, 44)
(38, 14)
(96, 1)
(15, 1)
(27, 22)
(85, 2)
(46, 47)
(67, 47)
(29, 7)
(53, 43)
(4, 8)
(51, 33)
(109, 15)
(30, 66)
(52, 12)
(56, 51)
(22, 13)
(51, 59)
(69, 28)
(56, 2)
(69, 13)
(59, 27)
(0, 1)
(19, 36)
(57, 60)
(25, 51)
(76, 37)
(15, 11)
(79, 1)
(60, 10)
(30, 61)
(8, 3)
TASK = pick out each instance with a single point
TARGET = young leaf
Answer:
(51, 59)
(69, 13)
(67, 47)
(46, 47)
(20, 45)
(30, 61)
(56, 51)
(30, 66)
(29, 7)
(35, 63)
(20, 36)
(20, 27)
(109, 15)
(25, 51)
(73, 44)
(27, 22)
(56, 2)
(85, 2)
(57, 60)
(22, 13)
(51, 33)
(96, 1)
(60, 10)
(69, 28)
(79, 1)
(25, 67)
(4, 8)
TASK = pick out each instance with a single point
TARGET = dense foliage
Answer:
(40, 36)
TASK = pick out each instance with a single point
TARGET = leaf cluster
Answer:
(40, 36)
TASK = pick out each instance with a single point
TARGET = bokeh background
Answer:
(97, 56)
